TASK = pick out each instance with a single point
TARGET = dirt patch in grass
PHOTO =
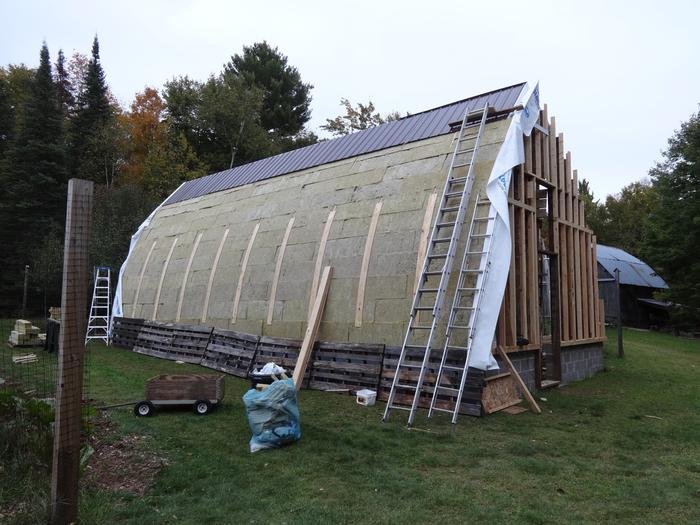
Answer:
(120, 463)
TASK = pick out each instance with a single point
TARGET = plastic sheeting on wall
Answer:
(511, 154)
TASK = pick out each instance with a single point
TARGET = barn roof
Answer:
(633, 271)
(419, 126)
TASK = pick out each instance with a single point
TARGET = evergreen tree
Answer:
(64, 89)
(93, 114)
(33, 175)
(286, 102)
(673, 243)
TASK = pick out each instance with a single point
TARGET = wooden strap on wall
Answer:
(186, 275)
(138, 287)
(319, 258)
(359, 307)
(162, 278)
(312, 327)
(278, 270)
(244, 265)
(212, 273)
(423, 235)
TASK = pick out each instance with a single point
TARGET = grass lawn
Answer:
(593, 456)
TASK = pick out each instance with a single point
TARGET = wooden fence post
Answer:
(69, 385)
(618, 313)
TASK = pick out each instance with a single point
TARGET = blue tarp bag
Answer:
(273, 415)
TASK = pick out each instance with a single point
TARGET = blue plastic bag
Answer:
(273, 415)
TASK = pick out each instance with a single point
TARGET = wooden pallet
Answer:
(176, 342)
(278, 350)
(339, 366)
(125, 331)
(471, 398)
(230, 352)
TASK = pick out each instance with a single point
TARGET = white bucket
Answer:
(366, 397)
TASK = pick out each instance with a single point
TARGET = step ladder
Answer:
(462, 323)
(98, 322)
(437, 267)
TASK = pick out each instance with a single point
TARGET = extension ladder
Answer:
(98, 322)
(463, 321)
(437, 267)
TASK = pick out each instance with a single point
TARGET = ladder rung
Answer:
(406, 387)
(433, 272)
(421, 327)
(468, 289)
(445, 224)
(455, 368)
(442, 239)
(461, 166)
(482, 219)
(451, 194)
(464, 308)
(450, 209)
(480, 235)
(476, 253)
(472, 271)
(447, 410)
(458, 180)
(399, 407)
(409, 365)
(438, 256)
(458, 327)
(424, 308)
(448, 388)
(429, 290)
(463, 151)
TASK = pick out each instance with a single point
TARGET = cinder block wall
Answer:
(403, 177)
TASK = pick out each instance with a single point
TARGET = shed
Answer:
(638, 283)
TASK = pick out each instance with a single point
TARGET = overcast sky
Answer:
(619, 76)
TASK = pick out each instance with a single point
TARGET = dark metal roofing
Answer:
(426, 124)
(632, 270)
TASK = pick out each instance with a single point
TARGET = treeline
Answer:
(658, 220)
(60, 120)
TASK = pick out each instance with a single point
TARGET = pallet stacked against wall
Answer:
(548, 224)
(230, 352)
(339, 367)
(125, 331)
(471, 399)
(176, 342)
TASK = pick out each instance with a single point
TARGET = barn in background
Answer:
(243, 249)
(638, 283)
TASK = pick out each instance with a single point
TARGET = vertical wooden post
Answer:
(71, 349)
(24, 295)
(618, 314)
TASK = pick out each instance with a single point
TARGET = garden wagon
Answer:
(201, 391)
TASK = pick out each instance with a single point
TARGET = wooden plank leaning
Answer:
(312, 327)
(528, 396)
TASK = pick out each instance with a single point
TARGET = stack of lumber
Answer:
(24, 358)
(26, 334)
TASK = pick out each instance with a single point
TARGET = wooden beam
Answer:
(312, 327)
(578, 284)
(278, 270)
(212, 273)
(319, 258)
(564, 282)
(526, 392)
(162, 278)
(244, 266)
(359, 305)
(143, 271)
(183, 286)
(423, 236)
(71, 350)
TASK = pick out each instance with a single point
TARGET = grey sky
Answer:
(620, 77)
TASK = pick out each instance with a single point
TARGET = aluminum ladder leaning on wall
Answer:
(437, 267)
(98, 322)
(464, 314)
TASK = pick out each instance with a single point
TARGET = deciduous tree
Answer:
(364, 116)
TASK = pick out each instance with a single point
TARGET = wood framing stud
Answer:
(244, 265)
(359, 306)
(212, 273)
(143, 271)
(319, 258)
(183, 286)
(278, 270)
(162, 278)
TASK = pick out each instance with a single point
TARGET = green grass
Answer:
(592, 456)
